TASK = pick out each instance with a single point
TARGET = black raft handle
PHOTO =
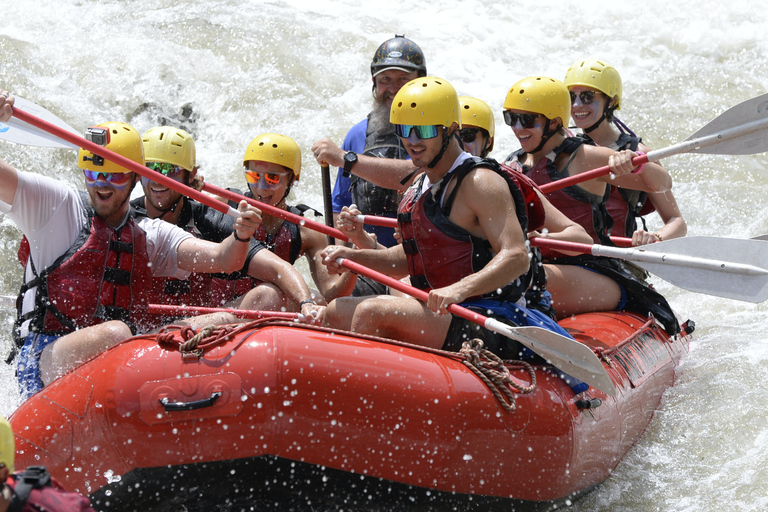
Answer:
(190, 406)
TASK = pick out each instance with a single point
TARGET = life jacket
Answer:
(103, 276)
(193, 291)
(35, 491)
(641, 298)
(438, 252)
(624, 205)
(576, 203)
(369, 198)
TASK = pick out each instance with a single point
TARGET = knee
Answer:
(263, 297)
(113, 332)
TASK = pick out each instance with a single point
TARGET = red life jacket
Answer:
(105, 275)
(577, 204)
(438, 252)
(35, 491)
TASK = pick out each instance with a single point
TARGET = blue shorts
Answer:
(28, 364)
(526, 317)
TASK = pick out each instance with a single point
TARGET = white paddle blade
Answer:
(563, 353)
(22, 133)
(740, 130)
(749, 286)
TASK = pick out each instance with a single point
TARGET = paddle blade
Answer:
(753, 112)
(20, 132)
(746, 286)
(562, 352)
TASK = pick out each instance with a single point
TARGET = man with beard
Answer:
(373, 164)
(267, 282)
(89, 263)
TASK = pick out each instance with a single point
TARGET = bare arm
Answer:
(384, 172)
(485, 208)
(197, 255)
(390, 261)
(331, 286)
(9, 182)
(653, 178)
(674, 223)
(9, 179)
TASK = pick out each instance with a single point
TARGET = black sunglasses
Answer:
(469, 135)
(527, 121)
(586, 97)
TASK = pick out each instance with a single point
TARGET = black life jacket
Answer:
(372, 199)
(626, 206)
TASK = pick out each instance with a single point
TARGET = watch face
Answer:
(350, 158)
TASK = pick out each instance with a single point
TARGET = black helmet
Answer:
(399, 53)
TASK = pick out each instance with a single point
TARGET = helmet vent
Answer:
(413, 105)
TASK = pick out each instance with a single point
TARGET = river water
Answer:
(229, 70)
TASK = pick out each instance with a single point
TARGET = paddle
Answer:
(27, 129)
(277, 212)
(726, 267)
(564, 353)
(740, 130)
(163, 309)
(325, 173)
(19, 132)
(69, 136)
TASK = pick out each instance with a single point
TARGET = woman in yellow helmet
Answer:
(477, 126)
(537, 109)
(272, 165)
(596, 93)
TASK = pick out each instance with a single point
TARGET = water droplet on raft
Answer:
(467, 457)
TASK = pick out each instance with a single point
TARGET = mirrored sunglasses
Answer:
(527, 121)
(114, 178)
(172, 171)
(272, 179)
(586, 97)
(422, 131)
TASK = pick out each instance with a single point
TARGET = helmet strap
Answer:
(446, 140)
(545, 136)
(607, 114)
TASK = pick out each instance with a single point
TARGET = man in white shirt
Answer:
(89, 260)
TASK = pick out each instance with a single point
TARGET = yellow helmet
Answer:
(475, 112)
(171, 145)
(7, 448)
(541, 95)
(121, 138)
(597, 74)
(276, 149)
(426, 101)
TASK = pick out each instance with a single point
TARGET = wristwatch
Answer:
(350, 159)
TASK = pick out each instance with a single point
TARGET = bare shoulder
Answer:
(485, 178)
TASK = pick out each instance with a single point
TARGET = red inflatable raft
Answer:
(321, 416)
